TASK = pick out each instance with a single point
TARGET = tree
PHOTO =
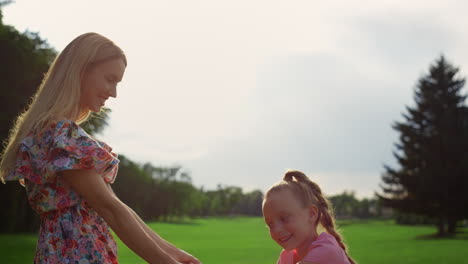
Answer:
(345, 205)
(432, 152)
(24, 57)
(97, 122)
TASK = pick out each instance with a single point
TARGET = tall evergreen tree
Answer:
(432, 153)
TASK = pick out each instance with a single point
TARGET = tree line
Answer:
(167, 193)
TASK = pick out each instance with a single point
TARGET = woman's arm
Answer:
(172, 250)
(93, 189)
(176, 253)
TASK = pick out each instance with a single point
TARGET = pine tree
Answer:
(433, 152)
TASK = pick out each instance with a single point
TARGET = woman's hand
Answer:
(184, 257)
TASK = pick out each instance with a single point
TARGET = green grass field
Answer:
(246, 240)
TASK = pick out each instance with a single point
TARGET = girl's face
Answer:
(291, 225)
(99, 83)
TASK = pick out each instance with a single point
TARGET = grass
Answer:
(384, 242)
(246, 240)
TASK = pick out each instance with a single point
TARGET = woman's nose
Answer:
(113, 91)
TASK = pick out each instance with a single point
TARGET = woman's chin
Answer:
(95, 109)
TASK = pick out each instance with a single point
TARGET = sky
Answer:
(237, 92)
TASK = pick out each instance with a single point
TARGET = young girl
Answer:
(67, 173)
(293, 208)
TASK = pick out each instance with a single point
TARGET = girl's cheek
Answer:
(271, 235)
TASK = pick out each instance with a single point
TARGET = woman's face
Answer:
(99, 83)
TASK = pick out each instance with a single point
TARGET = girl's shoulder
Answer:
(325, 249)
(286, 257)
(325, 238)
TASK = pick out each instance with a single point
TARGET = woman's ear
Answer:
(313, 213)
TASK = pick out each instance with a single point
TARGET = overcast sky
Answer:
(239, 91)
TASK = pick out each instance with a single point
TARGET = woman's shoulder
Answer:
(53, 127)
(68, 129)
(65, 125)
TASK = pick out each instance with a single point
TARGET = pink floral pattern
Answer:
(71, 231)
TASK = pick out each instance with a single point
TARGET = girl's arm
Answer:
(93, 189)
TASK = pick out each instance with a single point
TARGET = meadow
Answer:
(246, 240)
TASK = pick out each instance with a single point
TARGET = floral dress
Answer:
(71, 231)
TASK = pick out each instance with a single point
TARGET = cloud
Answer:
(314, 113)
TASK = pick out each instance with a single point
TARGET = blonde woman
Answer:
(67, 173)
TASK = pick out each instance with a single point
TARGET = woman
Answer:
(67, 173)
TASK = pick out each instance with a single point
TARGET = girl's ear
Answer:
(313, 213)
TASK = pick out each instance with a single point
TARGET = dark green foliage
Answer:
(167, 193)
(414, 219)
(25, 57)
(97, 122)
(432, 152)
(250, 204)
(346, 205)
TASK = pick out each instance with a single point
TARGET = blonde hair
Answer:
(309, 193)
(58, 96)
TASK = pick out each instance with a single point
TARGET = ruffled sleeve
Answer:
(72, 148)
(23, 168)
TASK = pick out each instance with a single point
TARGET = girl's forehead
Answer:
(282, 194)
(281, 200)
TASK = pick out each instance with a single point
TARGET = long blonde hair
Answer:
(58, 96)
(309, 193)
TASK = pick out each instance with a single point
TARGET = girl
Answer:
(67, 173)
(293, 208)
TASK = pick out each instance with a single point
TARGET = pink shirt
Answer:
(324, 250)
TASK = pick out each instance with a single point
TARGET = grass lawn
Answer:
(246, 240)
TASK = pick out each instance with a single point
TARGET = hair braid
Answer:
(328, 222)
